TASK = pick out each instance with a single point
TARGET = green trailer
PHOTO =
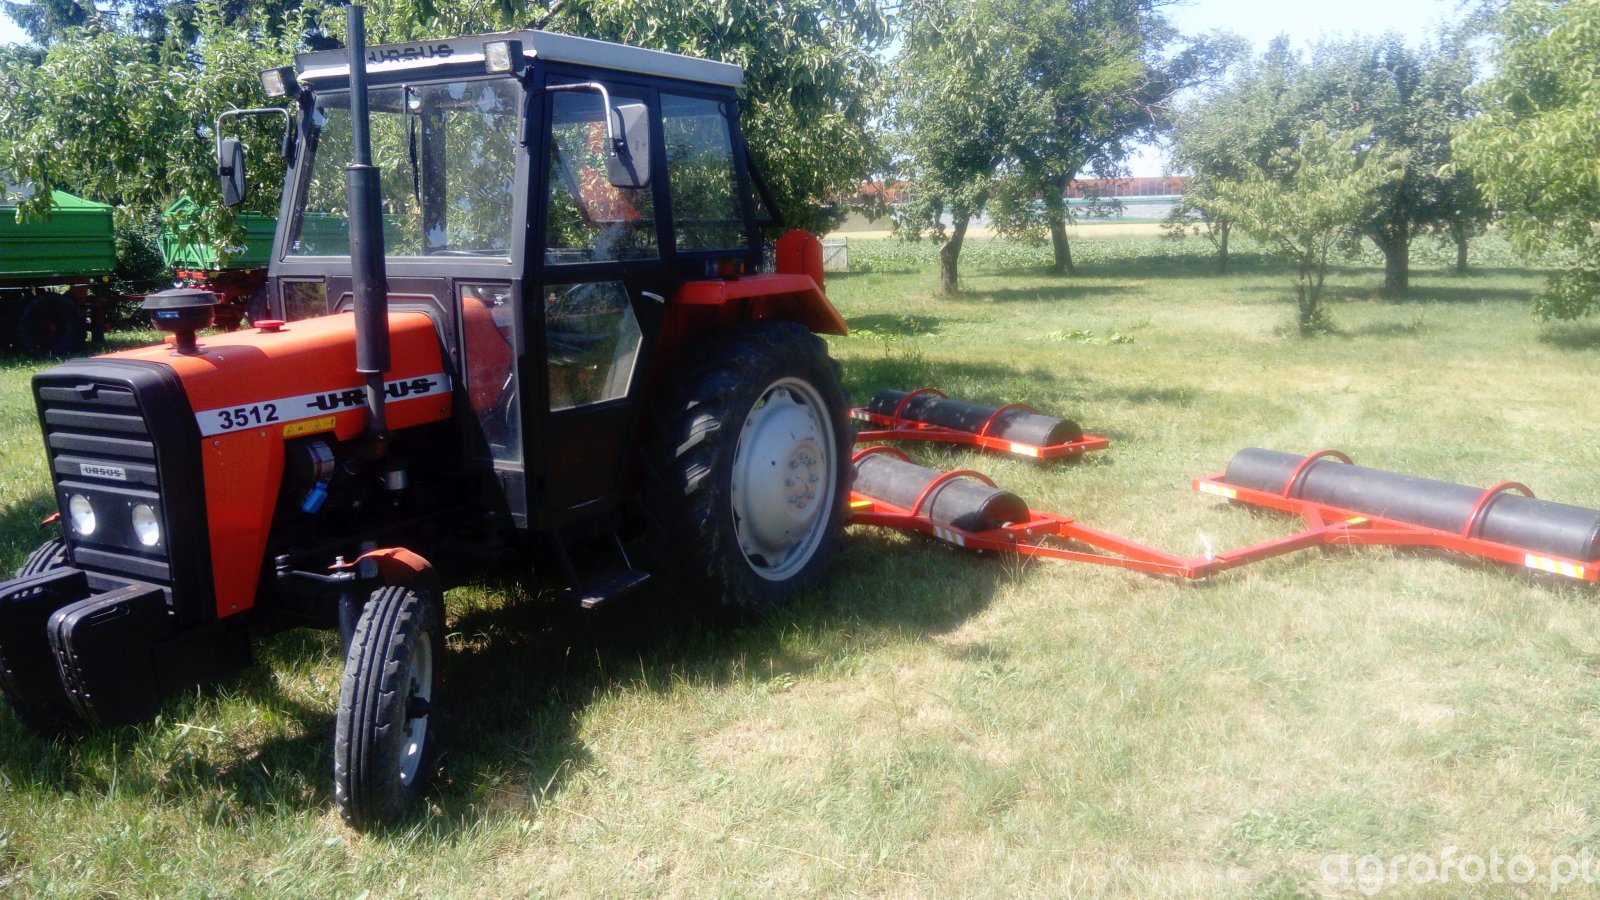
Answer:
(180, 253)
(47, 268)
(198, 265)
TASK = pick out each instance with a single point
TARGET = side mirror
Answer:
(628, 161)
(230, 169)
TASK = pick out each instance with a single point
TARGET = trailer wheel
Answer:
(36, 698)
(749, 472)
(382, 738)
(51, 325)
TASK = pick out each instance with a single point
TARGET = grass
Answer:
(933, 723)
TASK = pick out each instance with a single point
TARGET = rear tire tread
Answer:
(691, 447)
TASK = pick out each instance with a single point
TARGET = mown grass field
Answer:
(935, 724)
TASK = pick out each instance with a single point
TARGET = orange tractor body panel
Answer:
(791, 297)
(253, 390)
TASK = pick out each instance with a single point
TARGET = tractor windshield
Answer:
(447, 156)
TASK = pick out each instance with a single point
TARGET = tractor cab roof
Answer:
(330, 68)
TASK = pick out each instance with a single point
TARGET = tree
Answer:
(1101, 74)
(1411, 99)
(958, 94)
(1302, 203)
(1535, 144)
(108, 116)
(1232, 130)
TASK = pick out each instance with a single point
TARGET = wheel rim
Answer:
(780, 521)
(414, 739)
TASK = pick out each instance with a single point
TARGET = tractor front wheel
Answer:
(749, 471)
(28, 676)
(51, 325)
(382, 739)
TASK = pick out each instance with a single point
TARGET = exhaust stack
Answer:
(362, 194)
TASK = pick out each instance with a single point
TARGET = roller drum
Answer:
(1012, 425)
(1540, 526)
(960, 502)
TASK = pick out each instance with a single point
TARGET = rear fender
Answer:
(793, 293)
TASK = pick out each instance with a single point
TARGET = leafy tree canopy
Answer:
(1535, 144)
(1301, 202)
(1002, 103)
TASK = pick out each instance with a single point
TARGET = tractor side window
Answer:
(304, 299)
(590, 219)
(591, 342)
(705, 199)
(488, 329)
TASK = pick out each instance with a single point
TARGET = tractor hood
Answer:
(253, 391)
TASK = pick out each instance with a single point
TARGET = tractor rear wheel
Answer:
(749, 471)
(32, 687)
(382, 740)
(51, 325)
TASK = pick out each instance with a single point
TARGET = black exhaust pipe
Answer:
(370, 283)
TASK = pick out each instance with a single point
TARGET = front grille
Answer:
(122, 432)
(100, 446)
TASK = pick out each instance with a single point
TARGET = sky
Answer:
(1257, 20)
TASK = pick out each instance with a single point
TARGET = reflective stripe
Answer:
(1553, 566)
(1024, 450)
(949, 537)
(1207, 487)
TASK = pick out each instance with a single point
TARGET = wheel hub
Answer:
(783, 481)
(418, 705)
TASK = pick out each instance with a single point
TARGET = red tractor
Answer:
(516, 304)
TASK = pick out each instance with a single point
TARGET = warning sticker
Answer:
(309, 426)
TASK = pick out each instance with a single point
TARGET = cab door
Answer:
(592, 316)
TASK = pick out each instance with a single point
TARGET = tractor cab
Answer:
(542, 195)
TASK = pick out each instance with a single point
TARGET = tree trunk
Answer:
(1459, 232)
(1223, 230)
(1063, 249)
(950, 258)
(1055, 207)
(1396, 265)
(1305, 301)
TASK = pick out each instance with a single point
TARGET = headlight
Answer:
(146, 526)
(280, 82)
(503, 57)
(82, 515)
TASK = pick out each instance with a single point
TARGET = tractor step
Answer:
(604, 586)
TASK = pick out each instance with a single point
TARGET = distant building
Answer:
(1090, 200)
(1086, 188)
